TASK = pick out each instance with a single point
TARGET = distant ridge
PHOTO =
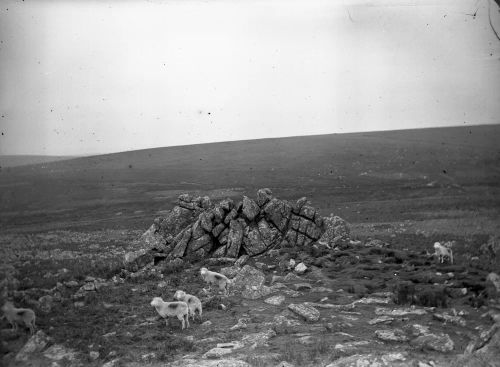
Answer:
(282, 151)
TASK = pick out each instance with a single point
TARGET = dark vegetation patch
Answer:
(301, 354)
(420, 295)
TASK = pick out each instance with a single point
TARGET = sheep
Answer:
(442, 251)
(165, 309)
(17, 316)
(450, 244)
(194, 304)
(211, 277)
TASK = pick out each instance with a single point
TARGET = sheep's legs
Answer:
(181, 319)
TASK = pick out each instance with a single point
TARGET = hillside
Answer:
(352, 174)
(25, 160)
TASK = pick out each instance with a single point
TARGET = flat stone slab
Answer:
(306, 311)
(275, 300)
(391, 335)
(379, 311)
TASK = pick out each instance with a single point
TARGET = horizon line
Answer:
(86, 155)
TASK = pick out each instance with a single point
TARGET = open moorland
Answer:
(66, 226)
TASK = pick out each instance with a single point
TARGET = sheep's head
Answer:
(437, 245)
(203, 271)
(179, 294)
(7, 306)
(157, 301)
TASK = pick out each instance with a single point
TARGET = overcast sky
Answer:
(85, 77)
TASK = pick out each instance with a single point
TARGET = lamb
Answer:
(211, 277)
(17, 316)
(442, 251)
(193, 302)
(165, 309)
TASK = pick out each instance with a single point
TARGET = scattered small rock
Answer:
(242, 324)
(217, 353)
(351, 346)
(255, 292)
(381, 320)
(112, 363)
(438, 342)
(372, 300)
(258, 339)
(222, 349)
(58, 352)
(399, 311)
(291, 277)
(392, 335)
(321, 290)
(306, 311)
(275, 300)
(417, 329)
(301, 268)
(445, 317)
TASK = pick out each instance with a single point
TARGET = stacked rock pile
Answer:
(197, 228)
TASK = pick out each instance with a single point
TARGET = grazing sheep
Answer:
(194, 304)
(165, 309)
(211, 277)
(17, 316)
(442, 251)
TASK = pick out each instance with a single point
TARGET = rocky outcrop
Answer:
(35, 344)
(197, 228)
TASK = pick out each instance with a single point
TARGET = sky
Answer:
(89, 77)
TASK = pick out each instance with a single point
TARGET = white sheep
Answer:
(17, 316)
(193, 302)
(450, 244)
(165, 309)
(441, 252)
(211, 277)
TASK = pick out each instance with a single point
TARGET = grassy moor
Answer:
(68, 227)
